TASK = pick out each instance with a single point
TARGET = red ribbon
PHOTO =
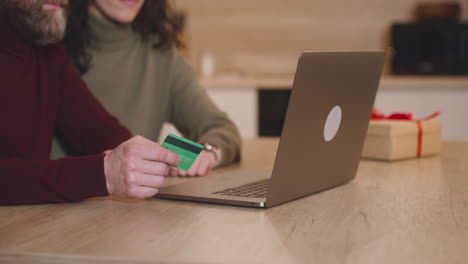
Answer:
(377, 115)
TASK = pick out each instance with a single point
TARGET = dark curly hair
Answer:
(156, 18)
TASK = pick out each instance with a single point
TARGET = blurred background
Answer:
(246, 51)
(266, 36)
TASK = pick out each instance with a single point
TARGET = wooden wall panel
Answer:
(266, 36)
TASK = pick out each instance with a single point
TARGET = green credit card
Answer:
(187, 150)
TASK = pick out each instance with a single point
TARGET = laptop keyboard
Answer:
(257, 189)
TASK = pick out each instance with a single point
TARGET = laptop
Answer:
(321, 141)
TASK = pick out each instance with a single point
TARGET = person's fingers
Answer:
(141, 179)
(203, 167)
(153, 151)
(158, 153)
(182, 173)
(152, 167)
(142, 192)
(174, 171)
(194, 168)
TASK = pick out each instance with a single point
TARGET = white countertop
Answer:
(285, 82)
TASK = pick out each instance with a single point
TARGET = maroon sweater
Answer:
(41, 94)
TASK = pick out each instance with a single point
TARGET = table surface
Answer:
(413, 211)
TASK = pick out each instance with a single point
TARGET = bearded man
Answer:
(42, 95)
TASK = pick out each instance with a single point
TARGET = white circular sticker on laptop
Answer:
(332, 124)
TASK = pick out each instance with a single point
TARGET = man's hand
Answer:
(204, 163)
(136, 168)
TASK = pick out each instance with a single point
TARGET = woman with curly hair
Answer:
(126, 51)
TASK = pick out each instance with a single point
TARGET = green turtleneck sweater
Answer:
(145, 87)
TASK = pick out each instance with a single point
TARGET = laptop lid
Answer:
(326, 123)
(322, 137)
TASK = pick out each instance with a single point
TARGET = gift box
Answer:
(400, 137)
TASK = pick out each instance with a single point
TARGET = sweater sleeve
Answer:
(196, 116)
(44, 181)
(83, 124)
(87, 128)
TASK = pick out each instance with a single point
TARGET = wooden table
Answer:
(412, 211)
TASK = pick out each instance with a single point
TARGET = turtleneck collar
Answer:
(111, 36)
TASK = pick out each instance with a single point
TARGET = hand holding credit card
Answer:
(187, 150)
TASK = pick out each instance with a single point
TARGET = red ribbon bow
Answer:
(377, 115)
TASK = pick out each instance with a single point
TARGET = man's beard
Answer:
(36, 24)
